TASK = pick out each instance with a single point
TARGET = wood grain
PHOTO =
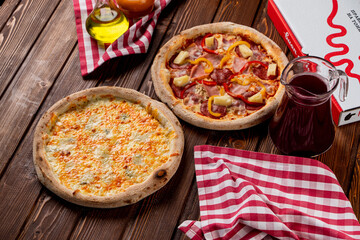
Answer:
(6, 9)
(354, 191)
(190, 211)
(241, 12)
(341, 157)
(21, 31)
(44, 221)
(35, 77)
(264, 25)
(19, 187)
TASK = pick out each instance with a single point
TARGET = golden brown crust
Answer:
(161, 76)
(134, 193)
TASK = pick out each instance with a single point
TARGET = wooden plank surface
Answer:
(354, 191)
(22, 30)
(40, 65)
(34, 73)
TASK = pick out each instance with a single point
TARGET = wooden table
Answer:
(40, 65)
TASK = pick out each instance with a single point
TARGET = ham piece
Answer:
(211, 90)
(198, 40)
(179, 73)
(192, 99)
(238, 89)
(194, 51)
(227, 43)
(213, 58)
(258, 55)
(238, 64)
(198, 72)
(270, 89)
(239, 107)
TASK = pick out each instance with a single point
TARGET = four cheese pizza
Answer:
(221, 76)
(107, 147)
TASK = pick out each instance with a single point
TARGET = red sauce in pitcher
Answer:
(299, 127)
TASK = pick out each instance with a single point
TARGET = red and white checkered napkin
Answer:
(135, 40)
(250, 195)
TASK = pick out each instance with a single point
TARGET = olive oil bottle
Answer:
(106, 22)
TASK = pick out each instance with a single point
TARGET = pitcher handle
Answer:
(344, 85)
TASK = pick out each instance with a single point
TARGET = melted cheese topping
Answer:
(105, 146)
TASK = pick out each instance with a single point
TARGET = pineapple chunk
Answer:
(246, 82)
(224, 100)
(271, 69)
(180, 58)
(181, 81)
(245, 51)
(209, 42)
(256, 98)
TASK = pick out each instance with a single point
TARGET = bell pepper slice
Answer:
(224, 60)
(211, 99)
(258, 62)
(208, 83)
(222, 91)
(201, 59)
(235, 44)
(203, 44)
(253, 62)
(186, 88)
(227, 54)
(227, 90)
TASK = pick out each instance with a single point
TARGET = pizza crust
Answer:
(161, 76)
(133, 194)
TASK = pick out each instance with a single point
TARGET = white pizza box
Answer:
(329, 29)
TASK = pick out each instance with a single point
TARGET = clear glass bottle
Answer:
(106, 22)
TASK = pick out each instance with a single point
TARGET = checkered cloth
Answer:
(135, 40)
(250, 195)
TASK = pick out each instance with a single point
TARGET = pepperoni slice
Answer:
(215, 108)
(260, 71)
(221, 76)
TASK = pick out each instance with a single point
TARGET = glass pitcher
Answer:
(302, 124)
